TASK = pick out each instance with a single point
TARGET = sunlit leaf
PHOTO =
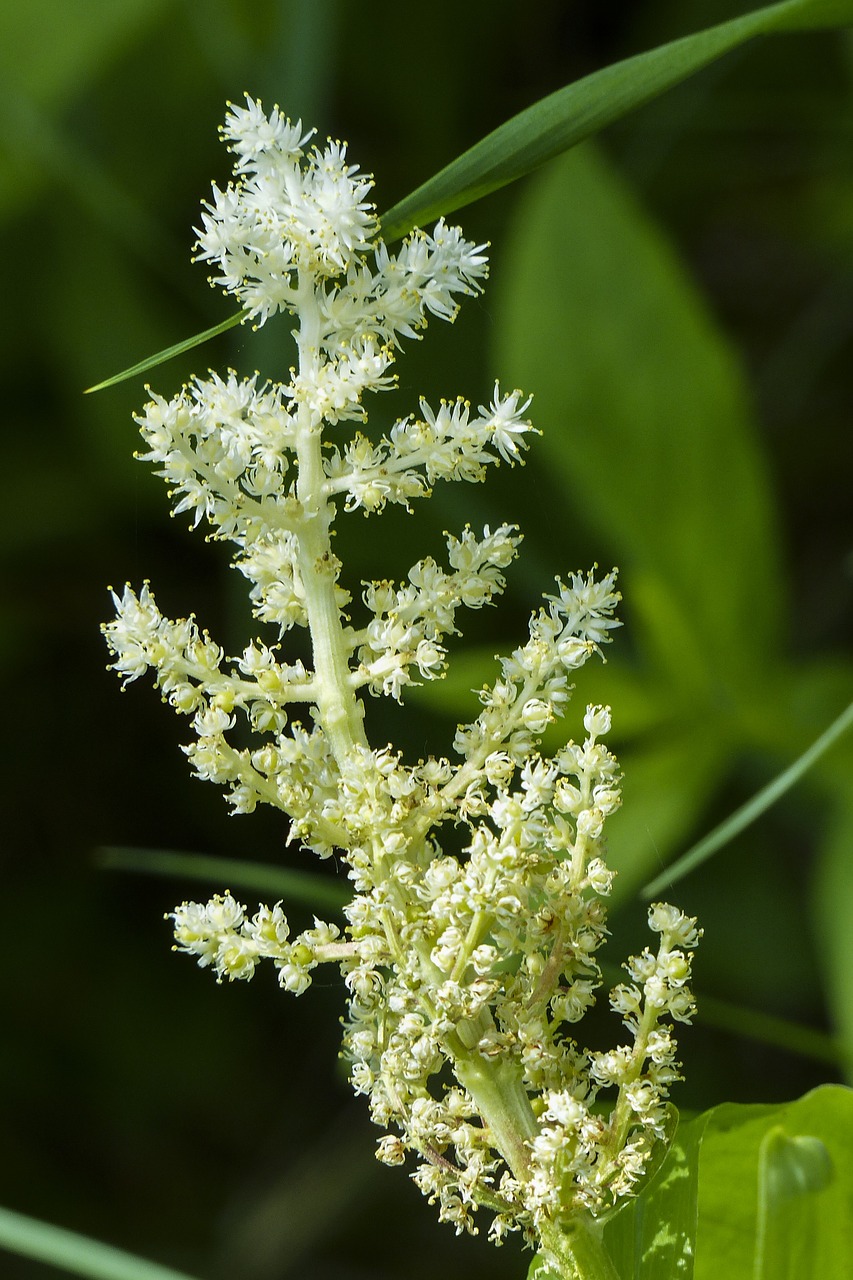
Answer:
(653, 1237)
(732, 1198)
(703, 1212)
(791, 1174)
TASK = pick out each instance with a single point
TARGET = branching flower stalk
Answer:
(467, 975)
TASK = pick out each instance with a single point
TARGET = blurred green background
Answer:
(680, 302)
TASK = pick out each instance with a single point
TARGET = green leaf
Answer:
(733, 1179)
(74, 1253)
(791, 1173)
(575, 112)
(653, 1236)
(304, 887)
(812, 15)
(151, 362)
(645, 419)
(753, 809)
(560, 121)
(750, 1182)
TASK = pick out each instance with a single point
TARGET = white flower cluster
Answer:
(221, 935)
(483, 962)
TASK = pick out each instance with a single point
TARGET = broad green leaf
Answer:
(575, 112)
(833, 913)
(304, 887)
(753, 809)
(732, 1170)
(730, 1190)
(151, 362)
(77, 1254)
(791, 1173)
(653, 1237)
(645, 419)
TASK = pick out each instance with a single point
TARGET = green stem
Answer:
(340, 710)
(498, 1090)
(576, 1251)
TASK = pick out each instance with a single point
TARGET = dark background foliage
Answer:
(212, 1128)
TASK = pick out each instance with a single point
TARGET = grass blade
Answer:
(305, 887)
(77, 1254)
(151, 362)
(573, 113)
(556, 123)
(754, 808)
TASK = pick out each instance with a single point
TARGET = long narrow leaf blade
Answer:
(754, 808)
(281, 882)
(573, 113)
(556, 123)
(77, 1254)
(151, 362)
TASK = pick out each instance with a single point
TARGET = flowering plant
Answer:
(468, 973)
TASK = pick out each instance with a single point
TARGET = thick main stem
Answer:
(339, 708)
(496, 1088)
(577, 1251)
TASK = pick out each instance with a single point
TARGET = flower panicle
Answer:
(484, 960)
